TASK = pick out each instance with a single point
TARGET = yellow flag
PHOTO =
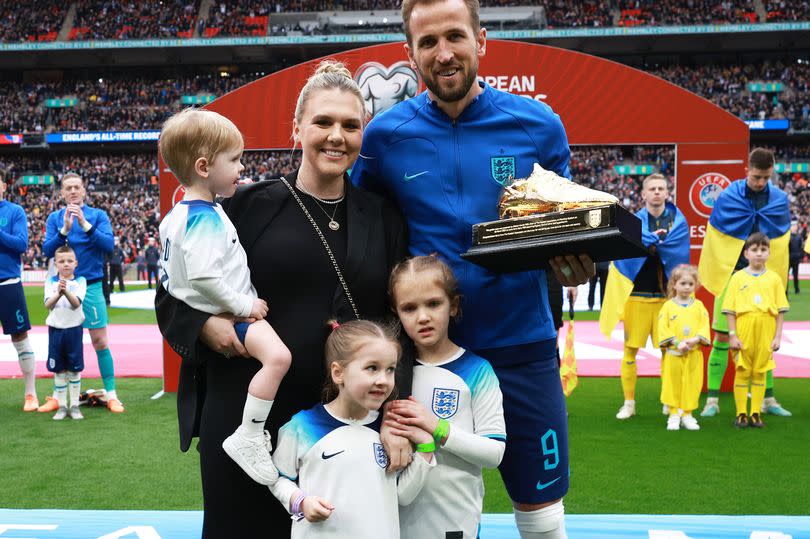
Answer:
(568, 365)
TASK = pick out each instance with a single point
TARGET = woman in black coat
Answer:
(293, 271)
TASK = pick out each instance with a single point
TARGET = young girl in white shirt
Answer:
(332, 465)
(456, 396)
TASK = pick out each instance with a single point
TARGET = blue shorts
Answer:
(95, 307)
(535, 465)
(241, 331)
(65, 352)
(13, 309)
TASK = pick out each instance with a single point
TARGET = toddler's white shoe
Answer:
(252, 454)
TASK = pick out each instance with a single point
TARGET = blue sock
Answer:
(105, 367)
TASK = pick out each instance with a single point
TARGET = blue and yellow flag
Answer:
(731, 222)
(673, 250)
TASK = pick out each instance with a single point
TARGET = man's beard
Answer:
(450, 95)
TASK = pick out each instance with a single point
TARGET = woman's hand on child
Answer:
(218, 335)
(259, 310)
(411, 412)
(316, 509)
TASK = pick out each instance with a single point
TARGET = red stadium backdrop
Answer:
(600, 103)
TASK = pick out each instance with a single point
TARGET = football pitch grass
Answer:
(636, 466)
(132, 461)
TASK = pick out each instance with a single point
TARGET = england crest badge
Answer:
(445, 402)
(502, 169)
(380, 456)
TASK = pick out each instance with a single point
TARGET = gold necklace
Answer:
(333, 225)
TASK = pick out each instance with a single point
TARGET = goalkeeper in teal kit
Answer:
(444, 157)
(88, 232)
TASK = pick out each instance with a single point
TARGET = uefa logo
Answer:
(705, 190)
(383, 87)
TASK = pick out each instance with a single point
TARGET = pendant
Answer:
(334, 225)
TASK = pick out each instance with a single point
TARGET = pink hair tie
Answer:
(335, 325)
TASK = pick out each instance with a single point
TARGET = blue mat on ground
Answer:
(60, 524)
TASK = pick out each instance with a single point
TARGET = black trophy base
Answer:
(620, 239)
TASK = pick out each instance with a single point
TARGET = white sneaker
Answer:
(252, 455)
(61, 413)
(689, 422)
(665, 409)
(673, 422)
(627, 410)
(75, 413)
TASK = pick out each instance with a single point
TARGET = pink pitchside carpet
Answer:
(136, 350)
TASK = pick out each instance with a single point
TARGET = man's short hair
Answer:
(761, 158)
(194, 133)
(70, 176)
(473, 8)
(64, 249)
(654, 176)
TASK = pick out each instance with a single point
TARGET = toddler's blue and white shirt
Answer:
(203, 263)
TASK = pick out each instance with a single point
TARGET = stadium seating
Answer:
(133, 19)
(40, 21)
(137, 19)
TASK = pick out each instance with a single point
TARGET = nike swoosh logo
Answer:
(541, 486)
(409, 177)
(257, 420)
(324, 456)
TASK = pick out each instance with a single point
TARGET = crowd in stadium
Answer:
(679, 12)
(120, 103)
(137, 19)
(727, 86)
(126, 186)
(133, 19)
(145, 102)
(39, 21)
(780, 10)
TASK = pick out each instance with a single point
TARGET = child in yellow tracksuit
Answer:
(755, 304)
(683, 326)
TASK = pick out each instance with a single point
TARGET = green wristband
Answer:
(442, 430)
(428, 447)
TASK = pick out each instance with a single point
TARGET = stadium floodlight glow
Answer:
(360, 22)
(385, 20)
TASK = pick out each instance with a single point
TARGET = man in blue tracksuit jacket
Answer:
(443, 157)
(13, 309)
(88, 231)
